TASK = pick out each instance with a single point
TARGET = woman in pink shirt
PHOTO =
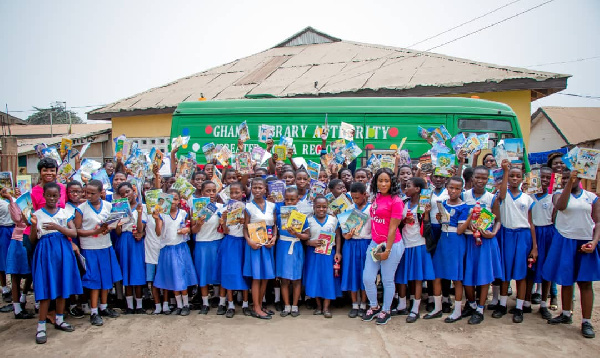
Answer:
(386, 214)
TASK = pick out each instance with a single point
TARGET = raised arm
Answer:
(504, 184)
(563, 199)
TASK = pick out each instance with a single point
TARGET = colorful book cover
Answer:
(587, 163)
(500, 153)
(533, 182)
(119, 143)
(52, 152)
(24, 183)
(327, 240)
(243, 161)
(281, 151)
(387, 161)
(557, 182)
(296, 221)
(425, 163)
(223, 155)
(208, 211)
(514, 149)
(329, 197)
(351, 219)
(180, 141)
(483, 141)
(265, 132)
(337, 146)
(197, 205)
(285, 212)
(424, 200)
(441, 134)
(88, 167)
(235, 212)
(39, 149)
(156, 157)
(313, 169)
(65, 145)
(84, 149)
(65, 172)
(121, 205)
(258, 232)
(225, 194)
(373, 163)
(26, 205)
(404, 157)
(485, 220)
(443, 212)
(346, 131)
(316, 188)
(458, 142)
(444, 163)
(209, 149)
(6, 180)
(243, 133)
(472, 144)
(277, 190)
(328, 162)
(258, 153)
(184, 187)
(570, 158)
(115, 216)
(286, 141)
(339, 204)
(103, 177)
(351, 152)
(164, 203)
(497, 175)
(185, 168)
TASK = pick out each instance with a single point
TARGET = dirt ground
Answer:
(306, 335)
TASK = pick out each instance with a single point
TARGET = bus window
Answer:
(488, 125)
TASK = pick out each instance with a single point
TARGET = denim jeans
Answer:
(388, 273)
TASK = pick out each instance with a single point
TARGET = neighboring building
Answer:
(314, 64)
(7, 119)
(558, 127)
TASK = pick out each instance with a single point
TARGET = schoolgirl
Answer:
(152, 247)
(303, 184)
(6, 229)
(76, 197)
(404, 175)
(345, 175)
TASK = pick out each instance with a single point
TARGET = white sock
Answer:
(222, 301)
(186, 300)
(495, 294)
(457, 310)
(17, 308)
(566, 313)
(59, 319)
(472, 304)
(138, 303)
(480, 309)
(179, 301)
(205, 300)
(586, 320)
(129, 300)
(277, 294)
(445, 299)
(157, 308)
(539, 288)
(430, 299)
(355, 306)
(41, 326)
(287, 308)
(94, 310)
(519, 304)
(294, 308)
(363, 306)
(103, 306)
(244, 304)
(438, 304)
(527, 304)
(264, 300)
(165, 306)
(543, 304)
(231, 305)
(401, 303)
(503, 300)
(415, 307)
(23, 298)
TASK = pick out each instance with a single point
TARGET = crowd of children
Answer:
(419, 249)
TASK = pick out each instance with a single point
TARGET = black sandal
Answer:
(41, 339)
(64, 326)
(256, 315)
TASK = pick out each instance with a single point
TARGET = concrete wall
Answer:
(544, 136)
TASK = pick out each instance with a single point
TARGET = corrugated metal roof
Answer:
(338, 68)
(576, 124)
(58, 130)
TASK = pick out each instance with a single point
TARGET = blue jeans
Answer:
(388, 273)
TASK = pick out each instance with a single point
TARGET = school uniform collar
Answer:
(515, 197)
(321, 224)
(263, 211)
(578, 196)
(48, 213)
(538, 197)
(176, 215)
(93, 208)
(475, 197)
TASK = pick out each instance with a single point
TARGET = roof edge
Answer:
(554, 125)
(136, 112)
(307, 29)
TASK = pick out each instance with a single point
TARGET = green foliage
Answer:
(59, 116)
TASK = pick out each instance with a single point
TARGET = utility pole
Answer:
(51, 131)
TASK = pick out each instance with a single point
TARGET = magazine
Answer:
(184, 187)
(235, 212)
(346, 131)
(327, 240)
(26, 205)
(339, 205)
(424, 200)
(243, 161)
(23, 183)
(277, 190)
(296, 221)
(351, 219)
(258, 232)
(197, 205)
(6, 180)
(313, 169)
(265, 132)
(587, 163)
(285, 212)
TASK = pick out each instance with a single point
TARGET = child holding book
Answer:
(517, 238)
(404, 175)
(319, 278)
(345, 174)
(416, 264)
(207, 243)
(6, 229)
(131, 251)
(354, 251)
(258, 258)
(438, 195)
(54, 266)
(175, 268)
(152, 247)
(290, 255)
(102, 267)
(76, 197)
(303, 184)
(231, 252)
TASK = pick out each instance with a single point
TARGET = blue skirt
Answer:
(565, 265)
(132, 259)
(319, 280)
(103, 269)
(5, 239)
(55, 272)
(206, 260)
(516, 246)
(289, 266)
(354, 253)
(416, 265)
(231, 256)
(483, 264)
(449, 257)
(543, 237)
(175, 269)
(17, 262)
(259, 264)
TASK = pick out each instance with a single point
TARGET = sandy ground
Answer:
(212, 335)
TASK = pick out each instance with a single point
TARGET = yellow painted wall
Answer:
(155, 125)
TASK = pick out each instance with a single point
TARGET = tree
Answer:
(59, 116)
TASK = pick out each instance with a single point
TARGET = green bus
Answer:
(380, 123)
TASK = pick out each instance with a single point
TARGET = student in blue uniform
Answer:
(54, 267)
(574, 256)
(517, 239)
(6, 229)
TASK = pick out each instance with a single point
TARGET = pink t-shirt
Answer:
(38, 201)
(383, 209)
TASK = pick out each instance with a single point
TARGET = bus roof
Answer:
(415, 105)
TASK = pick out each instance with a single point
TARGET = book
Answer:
(296, 221)
(404, 158)
(424, 133)
(514, 149)
(500, 153)
(387, 161)
(425, 163)
(39, 148)
(103, 177)
(184, 187)
(424, 200)
(208, 211)
(351, 152)
(277, 190)
(346, 131)
(6, 180)
(225, 194)
(243, 132)
(373, 163)
(286, 141)
(442, 210)
(156, 157)
(351, 219)
(223, 155)
(444, 163)
(485, 220)
(265, 132)
(185, 168)
(218, 183)
(339, 204)
(114, 217)
(88, 167)
(281, 151)
(316, 188)
(327, 240)
(208, 149)
(497, 175)
(313, 169)
(51, 152)
(587, 163)
(84, 149)
(163, 205)
(570, 158)
(258, 232)
(458, 141)
(533, 182)
(235, 212)
(65, 172)
(377, 251)
(329, 164)
(179, 141)
(243, 162)
(26, 205)
(65, 145)
(285, 212)
(197, 205)
(441, 134)
(557, 182)
(483, 141)
(24, 183)
(121, 205)
(257, 155)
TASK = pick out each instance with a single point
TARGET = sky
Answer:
(91, 53)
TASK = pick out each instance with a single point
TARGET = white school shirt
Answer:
(411, 234)
(128, 224)
(60, 218)
(435, 198)
(5, 219)
(330, 225)
(209, 232)
(304, 206)
(236, 230)
(169, 235)
(257, 215)
(575, 222)
(70, 209)
(486, 201)
(514, 211)
(91, 219)
(541, 214)
(152, 242)
(365, 232)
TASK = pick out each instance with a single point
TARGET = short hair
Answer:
(358, 187)
(482, 167)
(46, 163)
(73, 183)
(97, 184)
(467, 175)
(419, 182)
(173, 191)
(458, 179)
(335, 182)
(291, 189)
(124, 184)
(51, 185)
